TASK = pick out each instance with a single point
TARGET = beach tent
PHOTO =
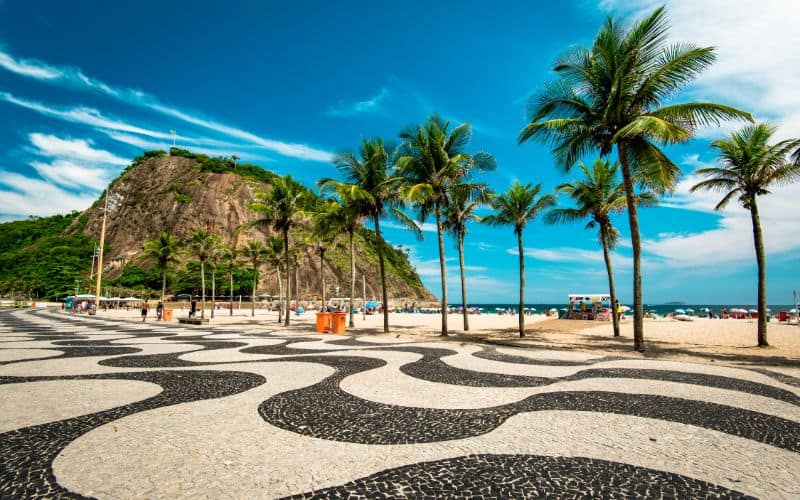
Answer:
(589, 297)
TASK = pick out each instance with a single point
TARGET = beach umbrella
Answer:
(554, 310)
(371, 303)
(680, 311)
(563, 309)
(752, 310)
(625, 308)
(705, 310)
(690, 310)
(769, 310)
(793, 311)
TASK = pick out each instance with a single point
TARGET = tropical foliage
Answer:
(750, 167)
(617, 94)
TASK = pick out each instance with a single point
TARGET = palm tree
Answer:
(280, 209)
(432, 158)
(255, 253)
(202, 244)
(462, 201)
(164, 250)
(343, 215)
(516, 207)
(597, 196)
(274, 257)
(618, 94)
(371, 180)
(230, 255)
(750, 167)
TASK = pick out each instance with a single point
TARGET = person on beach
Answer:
(145, 308)
(193, 309)
(159, 310)
(618, 310)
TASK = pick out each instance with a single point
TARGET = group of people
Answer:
(146, 309)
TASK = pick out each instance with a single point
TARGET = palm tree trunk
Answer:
(213, 288)
(288, 276)
(203, 286)
(463, 281)
(521, 284)
(352, 281)
(322, 272)
(761, 259)
(253, 295)
(379, 245)
(442, 267)
(163, 284)
(610, 271)
(636, 243)
(280, 295)
(231, 291)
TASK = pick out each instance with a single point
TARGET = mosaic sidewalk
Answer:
(104, 409)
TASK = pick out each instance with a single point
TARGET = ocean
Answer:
(660, 309)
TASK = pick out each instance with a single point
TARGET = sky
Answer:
(86, 86)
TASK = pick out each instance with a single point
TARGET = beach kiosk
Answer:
(589, 306)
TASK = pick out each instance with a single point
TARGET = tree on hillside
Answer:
(462, 201)
(280, 209)
(597, 196)
(371, 180)
(516, 207)
(431, 159)
(202, 244)
(749, 168)
(164, 250)
(618, 94)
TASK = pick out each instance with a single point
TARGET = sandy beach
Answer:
(702, 340)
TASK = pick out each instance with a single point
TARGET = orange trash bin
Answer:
(323, 322)
(339, 322)
(166, 314)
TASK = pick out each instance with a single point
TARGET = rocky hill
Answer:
(183, 192)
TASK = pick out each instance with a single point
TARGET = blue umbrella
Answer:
(371, 303)
(680, 311)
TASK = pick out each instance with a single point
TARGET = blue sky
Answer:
(85, 86)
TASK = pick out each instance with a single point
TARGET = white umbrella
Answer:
(624, 308)
(553, 310)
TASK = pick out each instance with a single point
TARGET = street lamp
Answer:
(109, 204)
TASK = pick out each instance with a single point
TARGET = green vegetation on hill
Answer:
(38, 259)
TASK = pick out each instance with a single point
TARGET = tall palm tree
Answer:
(750, 167)
(431, 159)
(164, 250)
(255, 253)
(618, 94)
(516, 207)
(230, 255)
(343, 215)
(371, 179)
(597, 196)
(202, 244)
(462, 201)
(280, 209)
(274, 257)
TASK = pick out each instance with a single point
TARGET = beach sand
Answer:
(702, 340)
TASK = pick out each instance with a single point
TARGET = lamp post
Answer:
(114, 200)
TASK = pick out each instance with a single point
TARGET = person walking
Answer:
(159, 310)
(145, 308)
(193, 309)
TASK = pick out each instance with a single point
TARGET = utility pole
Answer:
(364, 296)
(94, 254)
(100, 254)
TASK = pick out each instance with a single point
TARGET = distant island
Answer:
(678, 303)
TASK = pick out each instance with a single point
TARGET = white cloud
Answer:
(28, 196)
(367, 106)
(426, 227)
(561, 254)
(72, 149)
(33, 69)
(74, 77)
(71, 175)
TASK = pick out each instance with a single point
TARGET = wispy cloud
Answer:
(74, 77)
(26, 196)
(72, 149)
(368, 106)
